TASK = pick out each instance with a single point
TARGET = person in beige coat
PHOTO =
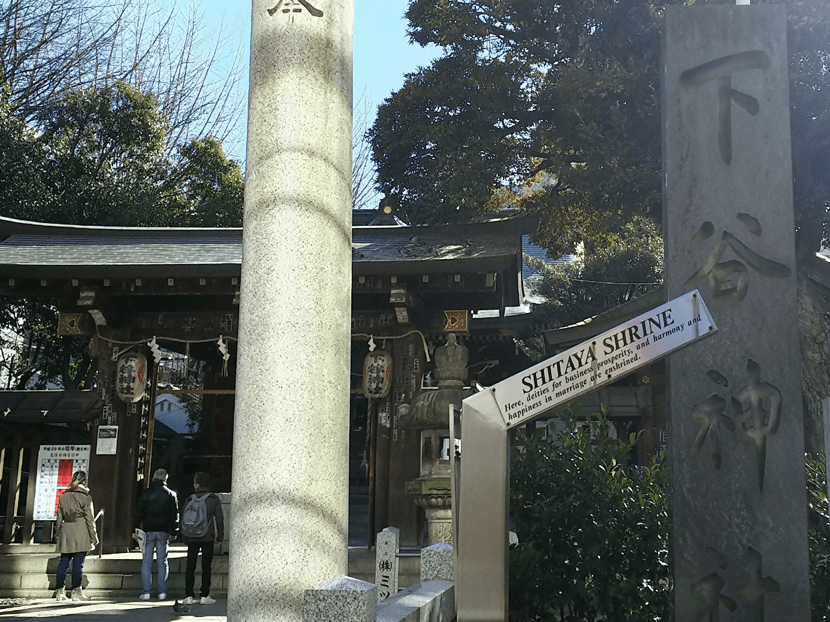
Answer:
(75, 535)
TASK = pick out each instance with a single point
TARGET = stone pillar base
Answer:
(439, 525)
(342, 599)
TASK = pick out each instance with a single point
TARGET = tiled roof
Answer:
(408, 245)
(50, 250)
(119, 251)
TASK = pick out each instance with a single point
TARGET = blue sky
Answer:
(382, 52)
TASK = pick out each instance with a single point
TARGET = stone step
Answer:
(111, 594)
(8, 549)
(102, 582)
(29, 572)
(105, 565)
(120, 563)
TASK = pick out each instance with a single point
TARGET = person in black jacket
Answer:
(158, 514)
(206, 544)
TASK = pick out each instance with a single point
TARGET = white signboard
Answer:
(603, 359)
(56, 464)
(107, 440)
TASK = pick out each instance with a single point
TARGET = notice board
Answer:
(55, 466)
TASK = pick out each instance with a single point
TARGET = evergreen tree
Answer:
(555, 108)
(210, 186)
(602, 279)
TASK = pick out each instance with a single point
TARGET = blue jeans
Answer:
(155, 540)
(77, 560)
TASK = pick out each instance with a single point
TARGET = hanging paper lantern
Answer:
(377, 374)
(131, 381)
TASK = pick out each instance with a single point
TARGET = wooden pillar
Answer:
(28, 525)
(372, 430)
(405, 443)
(12, 486)
(113, 479)
(382, 443)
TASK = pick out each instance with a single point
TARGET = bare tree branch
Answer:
(364, 187)
(49, 49)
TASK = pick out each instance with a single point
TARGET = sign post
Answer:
(486, 417)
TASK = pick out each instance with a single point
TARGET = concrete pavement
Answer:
(107, 610)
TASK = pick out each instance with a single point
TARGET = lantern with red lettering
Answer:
(131, 381)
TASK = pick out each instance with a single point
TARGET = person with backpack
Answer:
(157, 513)
(75, 535)
(203, 529)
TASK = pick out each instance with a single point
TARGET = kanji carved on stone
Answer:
(295, 6)
(722, 70)
(729, 280)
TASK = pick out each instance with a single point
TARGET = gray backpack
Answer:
(195, 523)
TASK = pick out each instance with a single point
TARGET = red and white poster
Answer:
(55, 466)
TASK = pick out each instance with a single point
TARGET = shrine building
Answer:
(158, 308)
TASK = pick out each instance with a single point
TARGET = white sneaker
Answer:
(144, 597)
(189, 601)
(78, 594)
(207, 600)
(61, 594)
(163, 596)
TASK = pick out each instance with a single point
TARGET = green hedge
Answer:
(593, 531)
(818, 536)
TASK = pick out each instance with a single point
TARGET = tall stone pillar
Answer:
(736, 433)
(290, 444)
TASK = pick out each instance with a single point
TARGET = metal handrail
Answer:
(100, 533)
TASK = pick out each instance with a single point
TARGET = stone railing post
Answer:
(437, 563)
(386, 562)
(342, 599)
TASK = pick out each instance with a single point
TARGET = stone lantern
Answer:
(430, 414)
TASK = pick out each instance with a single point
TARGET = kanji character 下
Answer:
(722, 69)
